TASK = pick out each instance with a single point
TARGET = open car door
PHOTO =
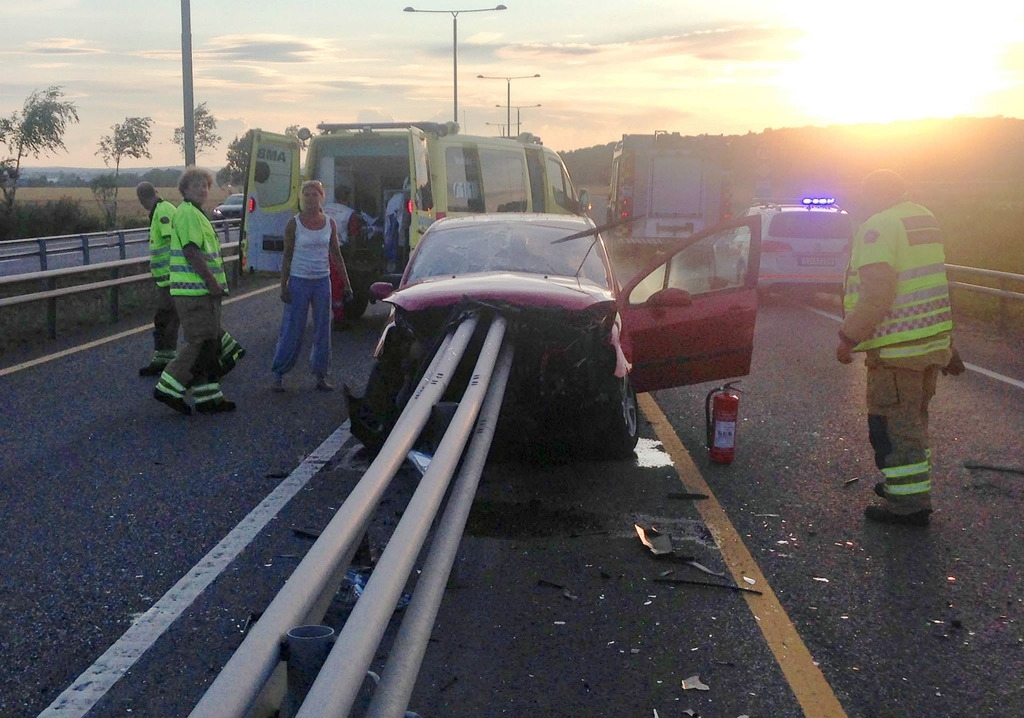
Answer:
(272, 197)
(688, 317)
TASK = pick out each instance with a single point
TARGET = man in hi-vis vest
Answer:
(198, 286)
(897, 310)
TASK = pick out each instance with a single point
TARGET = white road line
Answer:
(973, 367)
(80, 697)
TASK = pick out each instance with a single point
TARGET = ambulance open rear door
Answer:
(273, 198)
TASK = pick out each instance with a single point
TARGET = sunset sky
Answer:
(606, 68)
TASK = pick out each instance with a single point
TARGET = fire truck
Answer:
(665, 186)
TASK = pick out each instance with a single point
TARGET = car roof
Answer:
(570, 222)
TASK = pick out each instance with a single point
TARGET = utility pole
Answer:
(186, 78)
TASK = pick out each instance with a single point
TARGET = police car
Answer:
(805, 244)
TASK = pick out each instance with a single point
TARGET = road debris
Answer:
(694, 683)
(307, 533)
(705, 569)
(688, 582)
(549, 584)
(854, 480)
(657, 542)
(977, 465)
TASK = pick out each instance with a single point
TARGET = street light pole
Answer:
(455, 47)
(518, 108)
(508, 95)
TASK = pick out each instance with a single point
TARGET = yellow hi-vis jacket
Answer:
(160, 242)
(919, 322)
(191, 226)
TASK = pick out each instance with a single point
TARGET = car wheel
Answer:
(621, 431)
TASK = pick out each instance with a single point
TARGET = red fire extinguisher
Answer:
(721, 410)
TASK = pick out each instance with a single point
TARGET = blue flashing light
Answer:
(818, 201)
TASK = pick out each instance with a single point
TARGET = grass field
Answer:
(129, 211)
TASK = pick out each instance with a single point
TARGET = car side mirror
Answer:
(584, 205)
(381, 290)
(670, 297)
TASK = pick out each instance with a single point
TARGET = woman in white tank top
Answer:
(310, 241)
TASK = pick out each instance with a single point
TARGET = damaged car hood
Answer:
(514, 288)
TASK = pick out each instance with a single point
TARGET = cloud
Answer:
(62, 46)
(269, 49)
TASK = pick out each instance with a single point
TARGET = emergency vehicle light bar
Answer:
(438, 128)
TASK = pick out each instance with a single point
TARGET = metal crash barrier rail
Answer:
(307, 594)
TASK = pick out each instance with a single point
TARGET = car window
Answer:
(716, 263)
(273, 174)
(506, 248)
(559, 184)
(810, 225)
(235, 199)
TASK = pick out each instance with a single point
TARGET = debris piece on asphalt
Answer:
(691, 712)
(277, 475)
(549, 584)
(854, 480)
(570, 596)
(685, 496)
(688, 582)
(705, 569)
(357, 578)
(993, 467)
(749, 580)
(669, 572)
(819, 579)
(307, 533)
(694, 683)
(419, 460)
(656, 541)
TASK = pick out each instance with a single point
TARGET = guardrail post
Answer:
(42, 254)
(121, 246)
(115, 296)
(85, 249)
(1004, 307)
(51, 309)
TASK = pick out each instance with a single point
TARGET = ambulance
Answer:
(364, 165)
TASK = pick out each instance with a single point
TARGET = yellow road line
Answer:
(111, 338)
(812, 691)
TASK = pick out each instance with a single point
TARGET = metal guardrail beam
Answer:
(391, 698)
(318, 575)
(334, 691)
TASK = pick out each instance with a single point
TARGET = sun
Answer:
(887, 61)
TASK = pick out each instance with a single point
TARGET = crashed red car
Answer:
(588, 335)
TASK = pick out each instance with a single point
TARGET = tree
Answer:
(37, 129)
(130, 139)
(104, 189)
(206, 131)
(236, 171)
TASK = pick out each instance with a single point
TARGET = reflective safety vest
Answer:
(160, 242)
(907, 238)
(190, 226)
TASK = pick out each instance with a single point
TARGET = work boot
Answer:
(882, 515)
(152, 370)
(215, 407)
(176, 403)
(880, 489)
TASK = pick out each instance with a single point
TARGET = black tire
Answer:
(621, 428)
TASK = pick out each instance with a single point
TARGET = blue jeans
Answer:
(305, 293)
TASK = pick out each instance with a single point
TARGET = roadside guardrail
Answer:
(137, 271)
(1005, 279)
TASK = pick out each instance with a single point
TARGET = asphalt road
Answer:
(108, 499)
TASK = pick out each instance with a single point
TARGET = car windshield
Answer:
(506, 247)
(234, 199)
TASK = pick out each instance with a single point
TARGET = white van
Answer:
(440, 172)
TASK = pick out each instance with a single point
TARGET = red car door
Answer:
(688, 316)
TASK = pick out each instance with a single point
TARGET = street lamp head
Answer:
(409, 9)
(501, 7)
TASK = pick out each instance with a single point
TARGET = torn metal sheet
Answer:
(705, 569)
(419, 460)
(695, 683)
(657, 542)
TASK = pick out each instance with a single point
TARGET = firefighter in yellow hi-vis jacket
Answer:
(198, 286)
(165, 319)
(897, 310)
